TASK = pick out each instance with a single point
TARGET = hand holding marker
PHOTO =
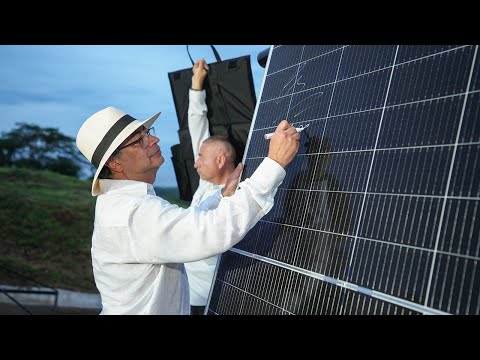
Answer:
(299, 129)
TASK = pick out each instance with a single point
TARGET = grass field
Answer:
(47, 223)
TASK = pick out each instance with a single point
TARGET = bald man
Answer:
(215, 161)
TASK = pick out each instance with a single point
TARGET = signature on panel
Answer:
(289, 85)
(317, 94)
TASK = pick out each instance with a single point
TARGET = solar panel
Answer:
(378, 213)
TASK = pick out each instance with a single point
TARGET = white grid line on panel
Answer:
(344, 284)
(305, 61)
(257, 105)
(316, 162)
(447, 187)
(398, 64)
(477, 310)
(247, 293)
(367, 110)
(360, 75)
(455, 269)
(418, 247)
(288, 111)
(420, 147)
(470, 234)
(414, 195)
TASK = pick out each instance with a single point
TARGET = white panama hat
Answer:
(102, 133)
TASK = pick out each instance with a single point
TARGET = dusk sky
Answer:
(61, 86)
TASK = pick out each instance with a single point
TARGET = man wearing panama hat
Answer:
(140, 241)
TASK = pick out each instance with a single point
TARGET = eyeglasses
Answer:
(142, 140)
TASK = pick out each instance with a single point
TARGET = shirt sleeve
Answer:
(164, 233)
(197, 120)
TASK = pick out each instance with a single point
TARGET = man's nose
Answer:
(153, 139)
(196, 164)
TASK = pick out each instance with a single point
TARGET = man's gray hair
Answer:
(229, 150)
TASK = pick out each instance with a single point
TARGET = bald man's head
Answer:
(216, 160)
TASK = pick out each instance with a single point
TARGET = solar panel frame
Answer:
(378, 212)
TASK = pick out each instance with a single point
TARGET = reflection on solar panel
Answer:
(379, 212)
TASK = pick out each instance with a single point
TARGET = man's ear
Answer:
(221, 160)
(114, 164)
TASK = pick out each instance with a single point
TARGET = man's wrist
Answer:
(197, 84)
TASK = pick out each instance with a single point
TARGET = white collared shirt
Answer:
(200, 273)
(141, 241)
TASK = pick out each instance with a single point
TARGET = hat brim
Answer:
(125, 133)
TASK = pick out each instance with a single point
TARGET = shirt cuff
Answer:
(197, 95)
(269, 174)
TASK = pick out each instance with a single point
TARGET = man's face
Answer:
(206, 164)
(141, 163)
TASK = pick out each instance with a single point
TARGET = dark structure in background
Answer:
(379, 212)
(231, 103)
(263, 57)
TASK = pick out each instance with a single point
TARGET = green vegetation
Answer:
(47, 223)
(31, 146)
(172, 195)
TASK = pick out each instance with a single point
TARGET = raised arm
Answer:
(197, 107)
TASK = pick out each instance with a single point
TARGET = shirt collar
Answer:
(109, 186)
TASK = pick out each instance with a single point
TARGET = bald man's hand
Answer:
(199, 74)
(284, 144)
(232, 181)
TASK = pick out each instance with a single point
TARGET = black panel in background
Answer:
(231, 102)
(183, 179)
